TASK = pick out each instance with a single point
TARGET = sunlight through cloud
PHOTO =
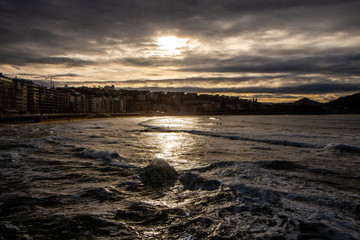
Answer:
(171, 45)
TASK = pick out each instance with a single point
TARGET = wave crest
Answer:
(343, 148)
(193, 181)
(94, 154)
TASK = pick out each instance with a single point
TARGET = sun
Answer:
(171, 45)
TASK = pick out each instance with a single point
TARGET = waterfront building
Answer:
(78, 103)
(33, 97)
(7, 94)
(20, 88)
(119, 105)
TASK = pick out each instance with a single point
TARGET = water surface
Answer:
(198, 177)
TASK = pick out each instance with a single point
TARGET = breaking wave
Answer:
(234, 137)
(343, 148)
(94, 154)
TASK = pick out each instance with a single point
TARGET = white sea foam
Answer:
(95, 154)
(52, 139)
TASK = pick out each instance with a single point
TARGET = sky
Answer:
(274, 50)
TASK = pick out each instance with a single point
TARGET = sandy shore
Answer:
(69, 119)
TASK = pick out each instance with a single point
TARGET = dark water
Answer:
(228, 177)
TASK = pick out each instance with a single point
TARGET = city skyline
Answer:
(272, 50)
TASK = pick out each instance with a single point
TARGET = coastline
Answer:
(58, 118)
(75, 117)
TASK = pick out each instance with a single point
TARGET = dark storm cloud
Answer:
(300, 89)
(301, 85)
(328, 64)
(65, 75)
(21, 59)
(332, 64)
(91, 33)
(47, 76)
(59, 60)
(24, 56)
(65, 23)
(280, 96)
(182, 81)
(146, 62)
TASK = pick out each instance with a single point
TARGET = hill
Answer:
(347, 104)
(306, 101)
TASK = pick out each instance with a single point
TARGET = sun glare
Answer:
(171, 45)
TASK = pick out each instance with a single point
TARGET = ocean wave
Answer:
(280, 165)
(249, 139)
(52, 139)
(220, 164)
(283, 142)
(193, 182)
(96, 136)
(289, 133)
(343, 148)
(232, 136)
(10, 146)
(103, 193)
(10, 155)
(94, 154)
(112, 158)
(96, 127)
(75, 226)
(145, 214)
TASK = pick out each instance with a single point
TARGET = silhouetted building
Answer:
(21, 101)
(33, 98)
(7, 94)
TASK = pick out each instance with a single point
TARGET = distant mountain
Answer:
(306, 101)
(302, 106)
(351, 100)
(349, 104)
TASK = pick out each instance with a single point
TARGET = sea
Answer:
(182, 177)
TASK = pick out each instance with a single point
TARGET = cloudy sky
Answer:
(276, 50)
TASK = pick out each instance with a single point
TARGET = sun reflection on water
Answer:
(175, 123)
(175, 147)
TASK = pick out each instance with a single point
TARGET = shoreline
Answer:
(64, 118)
(58, 118)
